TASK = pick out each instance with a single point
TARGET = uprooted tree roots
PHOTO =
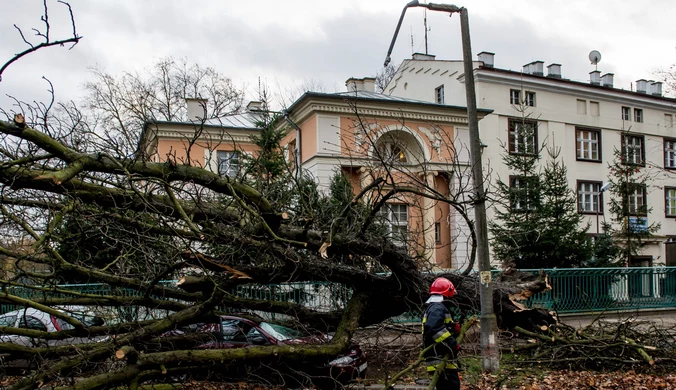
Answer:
(602, 345)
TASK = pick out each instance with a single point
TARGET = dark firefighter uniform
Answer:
(439, 330)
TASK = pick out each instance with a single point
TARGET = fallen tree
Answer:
(263, 249)
(88, 206)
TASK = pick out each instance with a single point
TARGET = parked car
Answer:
(34, 319)
(239, 332)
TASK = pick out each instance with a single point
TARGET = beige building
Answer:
(364, 134)
(584, 119)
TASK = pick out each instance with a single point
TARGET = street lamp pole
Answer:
(489, 327)
(599, 205)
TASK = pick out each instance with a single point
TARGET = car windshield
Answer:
(86, 320)
(281, 333)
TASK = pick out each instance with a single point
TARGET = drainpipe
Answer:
(298, 143)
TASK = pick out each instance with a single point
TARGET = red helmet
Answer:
(442, 286)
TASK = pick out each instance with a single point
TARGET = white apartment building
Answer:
(584, 119)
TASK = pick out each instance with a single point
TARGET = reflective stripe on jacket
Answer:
(435, 332)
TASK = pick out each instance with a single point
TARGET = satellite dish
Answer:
(594, 57)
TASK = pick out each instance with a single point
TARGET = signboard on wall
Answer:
(638, 224)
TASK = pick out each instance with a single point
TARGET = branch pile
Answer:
(602, 345)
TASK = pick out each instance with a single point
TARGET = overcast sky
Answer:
(291, 42)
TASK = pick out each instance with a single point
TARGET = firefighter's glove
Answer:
(456, 328)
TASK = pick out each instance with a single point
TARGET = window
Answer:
(530, 99)
(670, 202)
(282, 333)
(228, 163)
(514, 97)
(670, 153)
(28, 322)
(668, 120)
(439, 94)
(8, 320)
(523, 193)
(589, 197)
(637, 201)
(522, 136)
(588, 144)
(396, 217)
(392, 153)
(235, 331)
(633, 149)
(291, 150)
(437, 233)
(626, 113)
(594, 108)
(638, 115)
(581, 107)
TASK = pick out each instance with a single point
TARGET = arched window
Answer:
(399, 147)
(391, 152)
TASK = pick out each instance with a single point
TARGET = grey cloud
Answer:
(125, 35)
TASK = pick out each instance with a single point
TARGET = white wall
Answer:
(557, 113)
(418, 79)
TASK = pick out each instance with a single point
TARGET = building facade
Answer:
(365, 135)
(586, 120)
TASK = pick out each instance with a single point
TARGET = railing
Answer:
(595, 289)
(573, 291)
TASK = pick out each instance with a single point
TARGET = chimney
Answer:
(487, 58)
(537, 68)
(254, 105)
(649, 87)
(595, 77)
(657, 89)
(554, 71)
(423, 57)
(367, 84)
(197, 108)
(641, 86)
(527, 68)
(607, 80)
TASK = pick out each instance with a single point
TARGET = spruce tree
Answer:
(628, 206)
(516, 223)
(563, 238)
(538, 225)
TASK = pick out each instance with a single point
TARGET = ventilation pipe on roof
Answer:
(595, 77)
(641, 86)
(487, 58)
(657, 89)
(254, 105)
(423, 57)
(537, 68)
(607, 80)
(554, 71)
(367, 84)
(197, 109)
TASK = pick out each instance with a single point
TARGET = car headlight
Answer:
(341, 361)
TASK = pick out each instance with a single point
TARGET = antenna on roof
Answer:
(595, 58)
(412, 49)
(426, 29)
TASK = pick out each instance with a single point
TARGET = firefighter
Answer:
(439, 330)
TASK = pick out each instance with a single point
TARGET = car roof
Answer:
(29, 311)
(252, 322)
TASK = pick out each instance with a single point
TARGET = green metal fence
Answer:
(594, 289)
(573, 290)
